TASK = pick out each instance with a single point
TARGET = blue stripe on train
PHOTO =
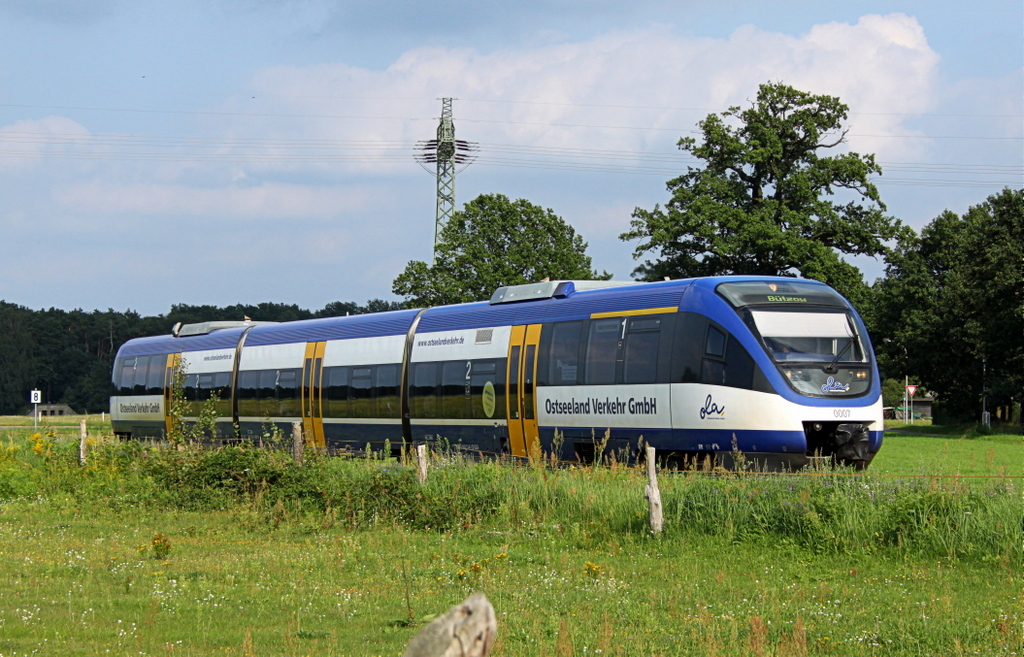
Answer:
(685, 440)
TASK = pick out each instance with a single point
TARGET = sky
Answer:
(242, 151)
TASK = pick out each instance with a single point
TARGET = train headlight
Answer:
(861, 374)
(816, 426)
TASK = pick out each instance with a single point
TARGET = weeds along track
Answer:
(823, 511)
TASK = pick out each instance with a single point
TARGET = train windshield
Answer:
(809, 332)
(809, 336)
(819, 352)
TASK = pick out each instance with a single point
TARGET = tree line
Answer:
(772, 193)
(68, 354)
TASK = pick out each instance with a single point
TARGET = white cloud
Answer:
(324, 177)
(23, 144)
(882, 67)
(637, 90)
(266, 201)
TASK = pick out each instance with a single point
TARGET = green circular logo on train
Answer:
(488, 399)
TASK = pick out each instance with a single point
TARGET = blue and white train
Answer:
(780, 370)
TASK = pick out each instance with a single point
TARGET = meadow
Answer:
(237, 551)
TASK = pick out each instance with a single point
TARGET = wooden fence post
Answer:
(297, 442)
(421, 462)
(653, 493)
(81, 443)
(466, 630)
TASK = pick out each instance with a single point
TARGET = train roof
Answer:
(564, 301)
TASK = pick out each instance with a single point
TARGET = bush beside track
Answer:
(839, 512)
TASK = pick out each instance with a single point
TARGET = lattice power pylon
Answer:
(449, 155)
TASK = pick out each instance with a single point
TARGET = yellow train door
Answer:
(171, 366)
(312, 394)
(520, 383)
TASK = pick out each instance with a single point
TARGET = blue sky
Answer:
(238, 151)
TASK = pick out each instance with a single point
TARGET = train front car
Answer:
(792, 375)
(777, 372)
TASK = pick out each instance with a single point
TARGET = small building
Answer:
(52, 409)
(922, 407)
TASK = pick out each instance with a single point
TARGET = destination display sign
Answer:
(762, 293)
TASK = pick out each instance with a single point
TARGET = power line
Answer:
(671, 108)
(78, 146)
(541, 103)
(674, 157)
(215, 113)
(548, 124)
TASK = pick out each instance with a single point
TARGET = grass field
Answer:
(923, 449)
(154, 551)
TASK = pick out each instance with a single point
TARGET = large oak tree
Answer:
(766, 199)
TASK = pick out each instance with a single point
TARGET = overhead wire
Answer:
(678, 130)
(84, 146)
(464, 99)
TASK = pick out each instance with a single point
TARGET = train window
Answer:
(712, 371)
(602, 350)
(688, 347)
(287, 384)
(386, 391)
(215, 386)
(248, 393)
(288, 393)
(640, 363)
(454, 388)
(645, 324)
(141, 369)
(563, 361)
(115, 378)
(155, 378)
(736, 370)
(360, 392)
(705, 353)
(127, 378)
(739, 366)
(715, 344)
(205, 388)
(316, 394)
(337, 391)
(222, 386)
(190, 386)
(268, 393)
(424, 390)
(486, 401)
(513, 382)
(530, 364)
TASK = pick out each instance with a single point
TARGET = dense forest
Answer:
(67, 354)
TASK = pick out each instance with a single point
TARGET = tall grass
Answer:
(825, 513)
